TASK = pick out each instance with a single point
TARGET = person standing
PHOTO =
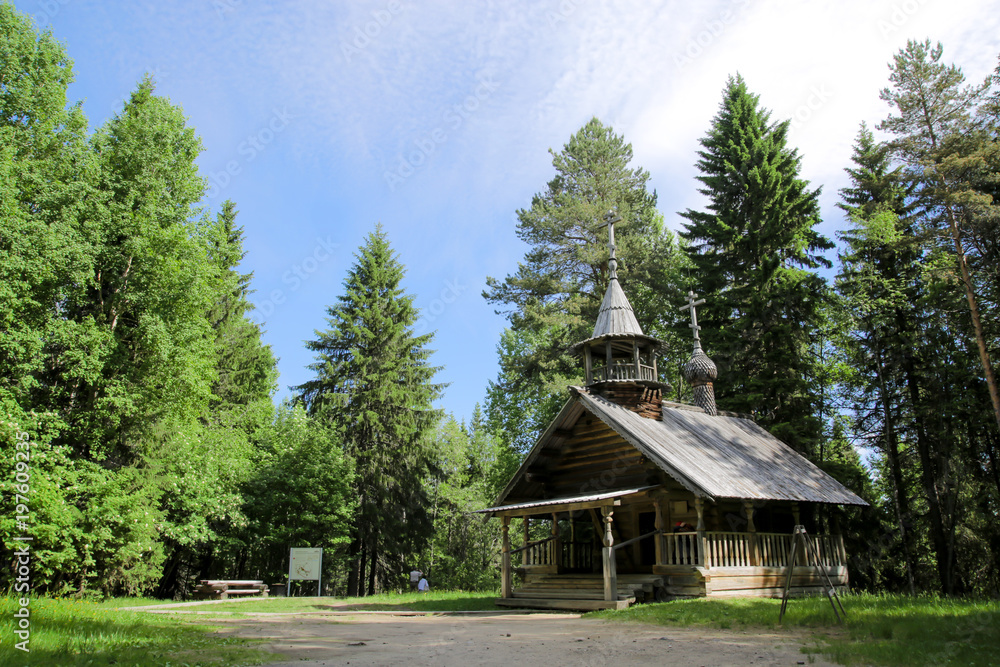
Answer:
(415, 577)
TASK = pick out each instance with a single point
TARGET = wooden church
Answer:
(644, 498)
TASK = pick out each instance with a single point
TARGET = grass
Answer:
(429, 602)
(81, 632)
(888, 630)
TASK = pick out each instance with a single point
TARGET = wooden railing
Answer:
(535, 553)
(577, 556)
(681, 549)
(623, 372)
(773, 549)
(729, 549)
(724, 549)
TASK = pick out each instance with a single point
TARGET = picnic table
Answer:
(222, 589)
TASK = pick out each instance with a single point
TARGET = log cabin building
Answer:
(642, 497)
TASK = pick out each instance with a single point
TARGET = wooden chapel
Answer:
(647, 498)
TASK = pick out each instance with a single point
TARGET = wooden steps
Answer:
(580, 591)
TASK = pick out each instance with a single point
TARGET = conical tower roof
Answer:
(616, 316)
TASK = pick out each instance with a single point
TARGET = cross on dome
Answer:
(691, 304)
(610, 218)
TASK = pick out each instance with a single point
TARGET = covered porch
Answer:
(612, 549)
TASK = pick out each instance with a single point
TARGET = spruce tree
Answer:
(754, 252)
(374, 384)
(881, 287)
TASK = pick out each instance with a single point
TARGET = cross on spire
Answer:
(610, 218)
(691, 304)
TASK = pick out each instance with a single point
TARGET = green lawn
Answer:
(890, 630)
(429, 602)
(82, 632)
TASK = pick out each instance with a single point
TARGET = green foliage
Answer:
(754, 252)
(301, 494)
(374, 386)
(126, 353)
(463, 550)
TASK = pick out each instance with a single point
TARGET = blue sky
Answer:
(320, 119)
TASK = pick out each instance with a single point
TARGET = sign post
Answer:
(306, 565)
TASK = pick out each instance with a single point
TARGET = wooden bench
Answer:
(221, 589)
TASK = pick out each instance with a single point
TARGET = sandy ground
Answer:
(507, 640)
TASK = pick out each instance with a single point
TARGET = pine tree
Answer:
(754, 251)
(553, 299)
(373, 381)
(944, 141)
(950, 152)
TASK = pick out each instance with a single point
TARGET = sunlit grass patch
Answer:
(892, 630)
(85, 632)
(429, 602)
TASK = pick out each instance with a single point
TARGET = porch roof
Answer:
(590, 498)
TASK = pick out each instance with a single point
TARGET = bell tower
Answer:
(619, 360)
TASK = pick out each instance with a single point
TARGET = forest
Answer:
(137, 389)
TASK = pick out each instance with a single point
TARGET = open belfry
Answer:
(646, 498)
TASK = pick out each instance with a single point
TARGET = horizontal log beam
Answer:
(561, 507)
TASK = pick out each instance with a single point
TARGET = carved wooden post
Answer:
(505, 562)
(556, 546)
(659, 536)
(608, 554)
(752, 529)
(702, 555)
(797, 520)
(526, 558)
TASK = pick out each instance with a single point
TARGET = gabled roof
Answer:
(711, 456)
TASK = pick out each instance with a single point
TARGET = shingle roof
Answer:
(616, 315)
(720, 456)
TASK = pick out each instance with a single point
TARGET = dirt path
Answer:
(510, 640)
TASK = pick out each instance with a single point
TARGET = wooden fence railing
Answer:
(725, 549)
(713, 549)
(577, 556)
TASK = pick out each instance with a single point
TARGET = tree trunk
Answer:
(167, 587)
(372, 572)
(977, 325)
(928, 475)
(354, 564)
(901, 501)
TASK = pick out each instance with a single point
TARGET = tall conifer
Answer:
(373, 381)
(754, 250)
